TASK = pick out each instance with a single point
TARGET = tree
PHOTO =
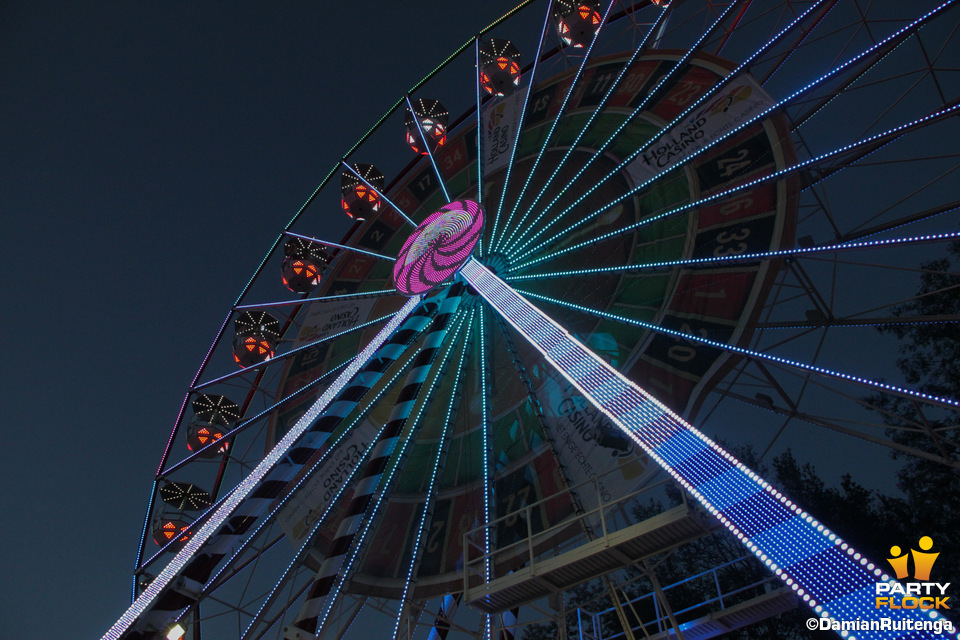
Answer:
(929, 359)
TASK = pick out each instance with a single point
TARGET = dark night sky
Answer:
(151, 152)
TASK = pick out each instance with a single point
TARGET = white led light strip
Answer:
(242, 490)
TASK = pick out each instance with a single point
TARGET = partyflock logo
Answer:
(919, 593)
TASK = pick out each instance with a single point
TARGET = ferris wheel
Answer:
(651, 221)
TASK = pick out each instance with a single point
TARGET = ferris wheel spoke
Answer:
(487, 457)
(479, 136)
(792, 413)
(563, 106)
(438, 464)
(378, 192)
(523, 112)
(860, 147)
(657, 25)
(351, 535)
(288, 354)
(745, 257)
(340, 297)
(341, 246)
(311, 537)
(426, 144)
(516, 247)
(156, 604)
(865, 382)
(516, 254)
(835, 580)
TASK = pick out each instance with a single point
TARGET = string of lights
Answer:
(776, 175)
(520, 226)
(426, 145)
(310, 539)
(141, 605)
(292, 352)
(667, 77)
(328, 243)
(880, 386)
(379, 193)
(336, 569)
(523, 112)
(823, 570)
(916, 24)
(746, 257)
(437, 464)
(553, 125)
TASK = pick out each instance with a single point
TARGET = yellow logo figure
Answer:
(899, 562)
(922, 561)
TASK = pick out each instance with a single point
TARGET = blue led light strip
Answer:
(523, 113)
(553, 124)
(746, 123)
(776, 175)
(339, 246)
(382, 195)
(667, 77)
(831, 577)
(661, 19)
(747, 257)
(476, 56)
(310, 540)
(416, 550)
(680, 65)
(880, 386)
(247, 485)
(373, 488)
(489, 471)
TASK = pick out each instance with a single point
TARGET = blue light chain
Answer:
(829, 575)
(426, 145)
(643, 103)
(553, 124)
(727, 135)
(476, 51)
(310, 539)
(726, 192)
(292, 352)
(361, 539)
(760, 255)
(523, 113)
(339, 246)
(753, 354)
(488, 472)
(436, 465)
(573, 145)
(345, 296)
(382, 195)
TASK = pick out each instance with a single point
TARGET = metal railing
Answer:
(542, 539)
(715, 598)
